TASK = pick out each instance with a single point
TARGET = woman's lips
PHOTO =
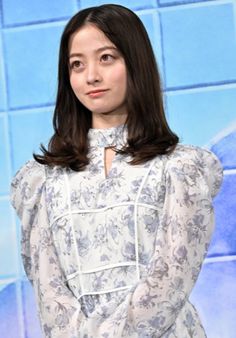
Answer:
(96, 93)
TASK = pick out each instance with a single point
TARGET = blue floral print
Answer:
(118, 255)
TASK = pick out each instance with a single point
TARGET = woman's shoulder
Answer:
(30, 181)
(27, 185)
(31, 166)
(184, 152)
(193, 161)
(193, 155)
(31, 171)
(35, 173)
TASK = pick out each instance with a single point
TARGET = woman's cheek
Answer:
(72, 82)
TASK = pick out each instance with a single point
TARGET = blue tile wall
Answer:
(4, 156)
(199, 44)
(137, 4)
(225, 149)
(197, 116)
(25, 140)
(25, 11)
(195, 45)
(32, 78)
(2, 80)
(223, 241)
(8, 243)
(1, 19)
(215, 298)
(12, 325)
(151, 22)
(164, 3)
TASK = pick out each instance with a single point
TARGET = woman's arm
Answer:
(59, 311)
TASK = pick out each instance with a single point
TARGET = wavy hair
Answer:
(148, 132)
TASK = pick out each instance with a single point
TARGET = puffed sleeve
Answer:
(59, 311)
(193, 177)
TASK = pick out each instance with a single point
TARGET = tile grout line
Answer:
(31, 109)
(192, 4)
(78, 4)
(1, 13)
(229, 172)
(162, 50)
(24, 25)
(231, 83)
(3, 67)
(219, 259)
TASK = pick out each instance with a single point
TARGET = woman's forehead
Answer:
(88, 37)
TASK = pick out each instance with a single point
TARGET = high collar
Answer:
(115, 136)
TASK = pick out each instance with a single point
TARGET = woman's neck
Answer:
(104, 121)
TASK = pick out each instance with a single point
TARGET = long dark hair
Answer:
(148, 131)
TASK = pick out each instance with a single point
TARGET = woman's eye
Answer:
(107, 57)
(75, 65)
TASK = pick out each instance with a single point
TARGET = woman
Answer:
(116, 217)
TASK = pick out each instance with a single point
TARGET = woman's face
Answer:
(98, 74)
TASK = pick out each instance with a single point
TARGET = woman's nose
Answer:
(93, 74)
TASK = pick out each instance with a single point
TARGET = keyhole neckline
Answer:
(108, 137)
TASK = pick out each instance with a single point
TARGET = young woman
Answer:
(116, 217)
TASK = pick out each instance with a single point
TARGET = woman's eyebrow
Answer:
(101, 49)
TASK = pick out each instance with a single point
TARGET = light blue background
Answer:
(195, 45)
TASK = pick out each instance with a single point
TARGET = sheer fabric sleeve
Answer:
(59, 311)
(192, 180)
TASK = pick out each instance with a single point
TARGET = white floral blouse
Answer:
(117, 255)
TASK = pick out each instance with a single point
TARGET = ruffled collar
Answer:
(115, 136)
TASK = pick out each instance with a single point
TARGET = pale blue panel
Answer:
(225, 149)
(174, 2)
(10, 323)
(137, 4)
(198, 117)
(9, 311)
(2, 89)
(8, 240)
(199, 44)
(23, 11)
(215, 298)
(32, 58)
(223, 241)
(27, 132)
(151, 22)
(2, 80)
(4, 161)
